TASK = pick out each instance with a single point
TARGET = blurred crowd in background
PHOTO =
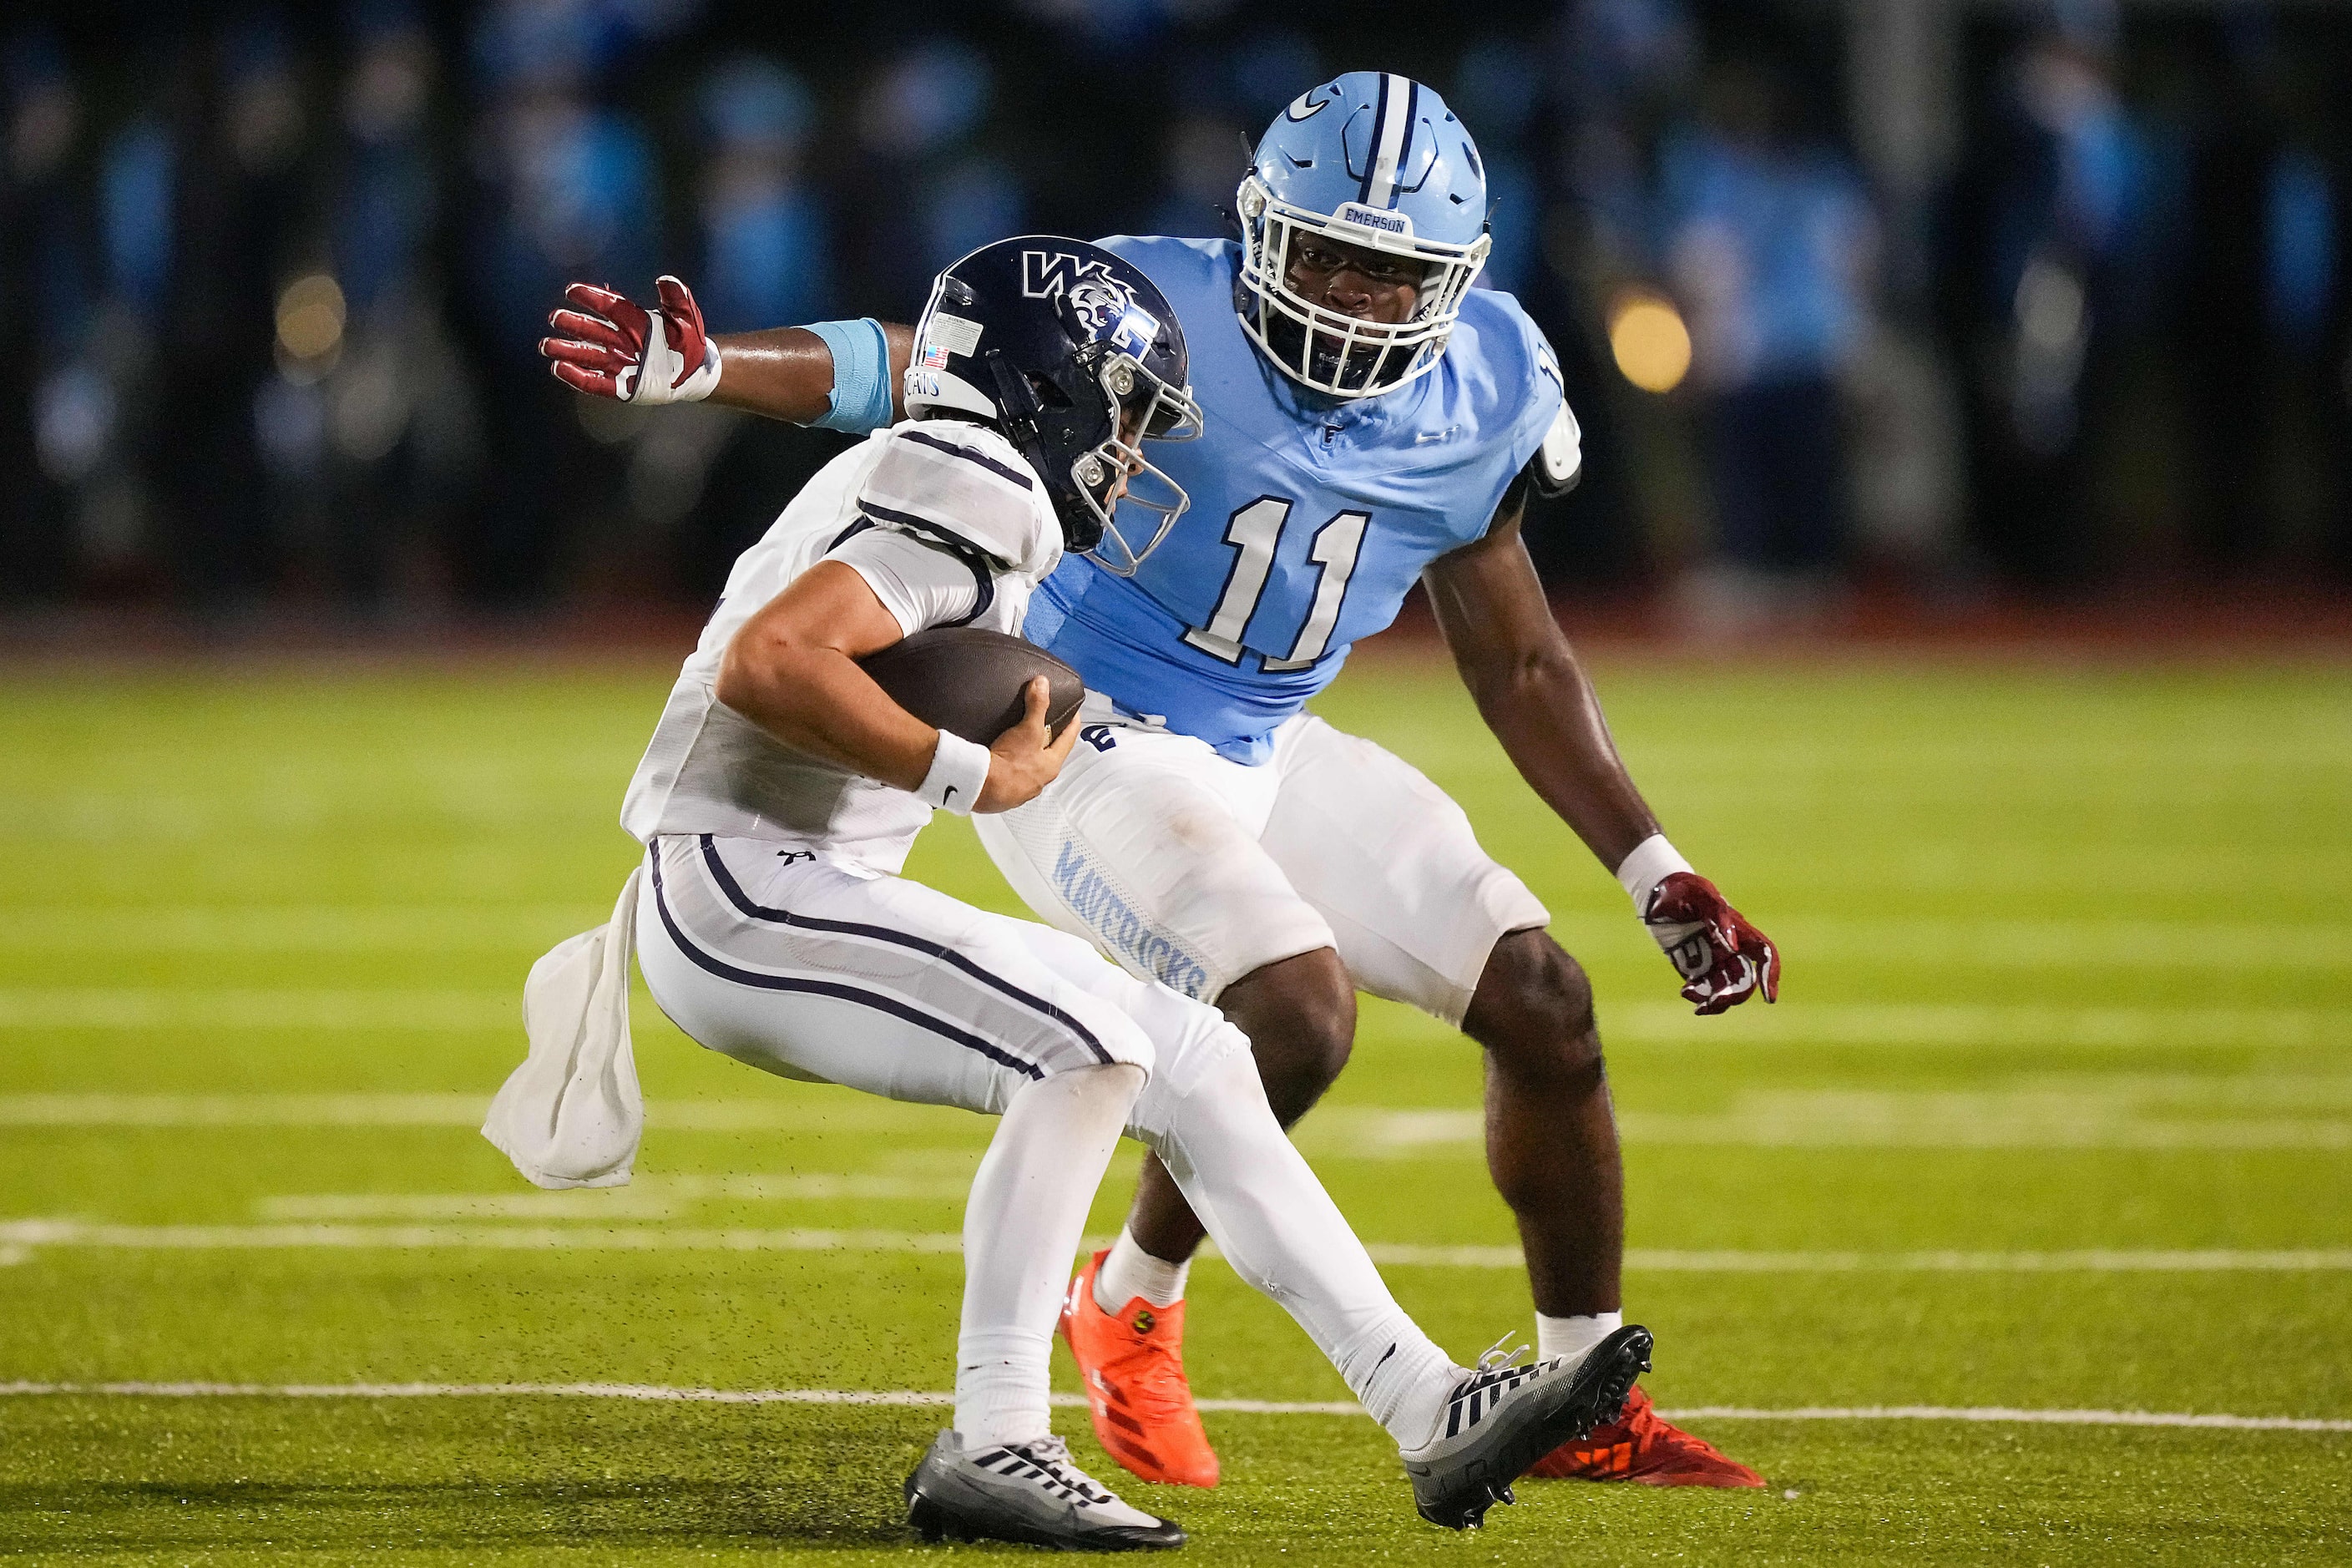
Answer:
(1953, 294)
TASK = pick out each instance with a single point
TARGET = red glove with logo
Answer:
(1722, 959)
(615, 348)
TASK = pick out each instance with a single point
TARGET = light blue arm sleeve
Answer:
(861, 375)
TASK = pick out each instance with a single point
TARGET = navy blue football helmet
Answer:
(1077, 359)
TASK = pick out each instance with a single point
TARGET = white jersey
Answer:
(950, 527)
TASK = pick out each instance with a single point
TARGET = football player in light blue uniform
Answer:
(1316, 514)
(1371, 421)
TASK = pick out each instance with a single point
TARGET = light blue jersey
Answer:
(1311, 517)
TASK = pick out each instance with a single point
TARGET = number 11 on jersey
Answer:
(1254, 531)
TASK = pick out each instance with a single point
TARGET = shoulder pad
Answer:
(965, 487)
(1558, 463)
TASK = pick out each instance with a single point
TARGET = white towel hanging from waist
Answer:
(572, 1115)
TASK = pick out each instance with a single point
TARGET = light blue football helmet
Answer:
(1373, 159)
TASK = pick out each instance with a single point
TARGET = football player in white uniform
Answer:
(778, 800)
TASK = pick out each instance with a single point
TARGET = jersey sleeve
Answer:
(1558, 462)
(1539, 427)
(920, 584)
(1536, 435)
(966, 487)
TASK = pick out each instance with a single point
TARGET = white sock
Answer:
(1129, 1272)
(1282, 1234)
(1407, 1385)
(1020, 1227)
(1567, 1339)
(1000, 1394)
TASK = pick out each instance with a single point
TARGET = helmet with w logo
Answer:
(1368, 159)
(1077, 359)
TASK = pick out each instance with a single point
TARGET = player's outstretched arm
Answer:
(793, 669)
(608, 345)
(786, 373)
(1533, 693)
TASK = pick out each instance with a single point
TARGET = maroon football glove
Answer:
(613, 347)
(1722, 959)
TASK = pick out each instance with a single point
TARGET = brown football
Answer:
(969, 681)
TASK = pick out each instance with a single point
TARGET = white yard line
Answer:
(436, 928)
(630, 1203)
(659, 1394)
(2077, 1112)
(2118, 754)
(593, 1237)
(1649, 1130)
(1966, 1024)
(2087, 1260)
(2148, 868)
(813, 1112)
(2070, 944)
(243, 1109)
(1842, 1119)
(49, 1233)
(168, 1007)
(294, 928)
(647, 1197)
(2005, 1412)
(1920, 1025)
(2083, 1261)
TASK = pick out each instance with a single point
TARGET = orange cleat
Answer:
(1642, 1445)
(1134, 1370)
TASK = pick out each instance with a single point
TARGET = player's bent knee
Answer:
(1218, 1117)
(1094, 1034)
(1300, 1017)
(1321, 1042)
(1533, 1007)
(1120, 1081)
(1295, 1083)
(1136, 1059)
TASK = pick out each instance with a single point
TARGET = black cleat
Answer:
(1029, 1493)
(1503, 1418)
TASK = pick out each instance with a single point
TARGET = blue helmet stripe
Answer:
(1392, 133)
(1404, 145)
(1372, 153)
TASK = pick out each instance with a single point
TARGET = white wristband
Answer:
(662, 375)
(1652, 862)
(959, 769)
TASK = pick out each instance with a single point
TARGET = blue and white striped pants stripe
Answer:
(817, 968)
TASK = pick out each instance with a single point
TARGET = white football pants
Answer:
(1194, 871)
(821, 969)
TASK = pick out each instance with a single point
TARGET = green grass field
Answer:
(2055, 1115)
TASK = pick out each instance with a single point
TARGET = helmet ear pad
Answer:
(1056, 435)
